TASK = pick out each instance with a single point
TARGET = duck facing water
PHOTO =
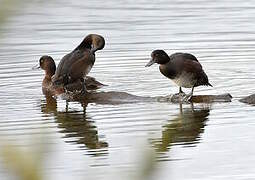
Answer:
(182, 68)
(77, 64)
(48, 65)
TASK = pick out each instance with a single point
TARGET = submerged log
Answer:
(114, 97)
(211, 98)
(175, 98)
(111, 97)
(249, 99)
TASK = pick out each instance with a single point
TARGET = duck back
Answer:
(73, 66)
(183, 56)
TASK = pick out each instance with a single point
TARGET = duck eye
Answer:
(41, 61)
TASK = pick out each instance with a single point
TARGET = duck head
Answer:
(48, 65)
(159, 57)
(93, 42)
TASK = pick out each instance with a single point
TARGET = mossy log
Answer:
(249, 99)
(114, 97)
(176, 98)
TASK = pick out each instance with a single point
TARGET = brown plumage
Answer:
(77, 64)
(48, 65)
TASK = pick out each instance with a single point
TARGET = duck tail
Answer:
(209, 84)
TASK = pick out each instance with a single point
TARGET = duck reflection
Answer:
(75, 125)
(185, 129)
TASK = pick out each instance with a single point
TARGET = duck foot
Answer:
(186, 98)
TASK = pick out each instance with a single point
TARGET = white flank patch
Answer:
(185, 80)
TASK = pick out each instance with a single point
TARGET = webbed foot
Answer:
(187, 98)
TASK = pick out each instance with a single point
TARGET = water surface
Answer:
(105, 141)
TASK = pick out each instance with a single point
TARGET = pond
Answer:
(106, 141)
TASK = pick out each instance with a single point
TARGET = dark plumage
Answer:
(183, 68)
(48, 65)
(77, 64)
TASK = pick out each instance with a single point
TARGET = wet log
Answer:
(114, 97)
(111, 97)
(175, 98)
(249, 99)
(211, 98)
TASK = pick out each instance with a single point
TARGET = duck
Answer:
(78, 63)
(182, 68)
(47, 64)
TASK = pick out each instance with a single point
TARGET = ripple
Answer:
(101, 140)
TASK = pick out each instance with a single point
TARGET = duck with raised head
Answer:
(78, 63)
(48, 65)
(182, 68)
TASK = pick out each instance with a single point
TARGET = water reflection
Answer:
(185, 129)
(75, 125)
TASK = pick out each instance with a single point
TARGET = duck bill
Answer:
(93, 50)
(37, 66)
(152, 61)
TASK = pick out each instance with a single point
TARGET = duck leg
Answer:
(84, 89)
(191, 93)
(66, 106)
(181, 93)
(188, 96)
(180, 90)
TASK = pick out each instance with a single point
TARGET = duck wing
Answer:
(194, 68)
(183, 56)
(73, 65)
(82, 66)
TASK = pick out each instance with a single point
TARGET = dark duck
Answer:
(182, 68)
(77, 64)
(48, 65)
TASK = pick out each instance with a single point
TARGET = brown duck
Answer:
(78, 63)
(48, 65)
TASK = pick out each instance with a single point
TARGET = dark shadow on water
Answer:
(79, 128)
(76, 126)
(185, 129)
